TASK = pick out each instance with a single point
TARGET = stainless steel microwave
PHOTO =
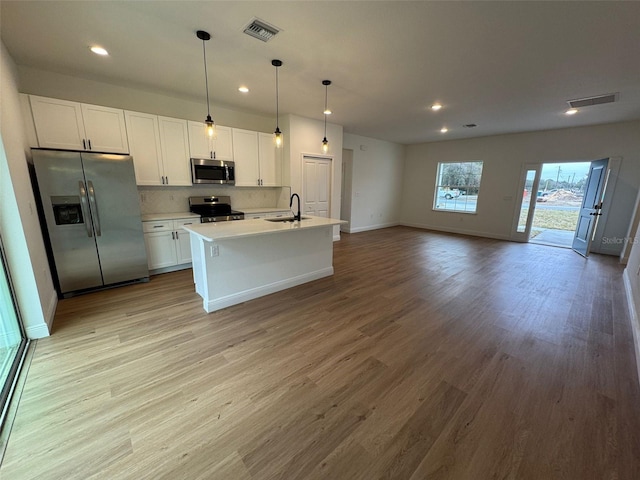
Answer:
(205, 170)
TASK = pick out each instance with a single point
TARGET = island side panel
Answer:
(250, 267)
(198, 246)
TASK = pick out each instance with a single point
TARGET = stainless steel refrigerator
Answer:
(90, 204)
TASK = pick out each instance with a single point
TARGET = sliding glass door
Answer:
(12, 338)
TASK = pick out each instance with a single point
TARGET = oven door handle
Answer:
(83, 207)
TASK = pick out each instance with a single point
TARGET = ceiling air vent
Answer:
(261, 30)
(597, 100)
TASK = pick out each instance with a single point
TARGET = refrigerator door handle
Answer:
(94, 209)
(83, 206)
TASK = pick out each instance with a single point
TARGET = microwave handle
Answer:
(226, 172)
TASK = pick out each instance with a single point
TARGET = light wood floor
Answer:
(426, 356)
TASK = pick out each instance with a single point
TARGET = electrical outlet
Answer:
(215, 250)
(638, 272)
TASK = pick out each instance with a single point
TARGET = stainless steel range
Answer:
(214, 209)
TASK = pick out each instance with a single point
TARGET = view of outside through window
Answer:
(457, 186)
(558, 201)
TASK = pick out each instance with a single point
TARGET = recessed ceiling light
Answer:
(327, 112)
(444, 130)
(571, 111)
(99, 50)
(243, 89)
(435, 107)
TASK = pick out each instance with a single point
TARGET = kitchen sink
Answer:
(284, 219)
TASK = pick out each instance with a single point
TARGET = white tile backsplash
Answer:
(176, 199)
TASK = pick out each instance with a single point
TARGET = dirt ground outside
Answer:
(550, 214)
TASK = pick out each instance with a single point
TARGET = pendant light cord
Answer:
(277, 101)
(206, 77)
(326, 87)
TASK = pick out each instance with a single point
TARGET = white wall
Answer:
(632, 287)
(19, 225)
(503, 157)
(303, 136)
(376, 182)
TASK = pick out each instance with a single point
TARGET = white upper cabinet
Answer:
(174, 141)
(269, 171)
(77, 126)
(144, 140)
(245, 155)
(256, 160)
(160, 149)
(200, 146)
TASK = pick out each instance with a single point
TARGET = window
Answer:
(457, 186)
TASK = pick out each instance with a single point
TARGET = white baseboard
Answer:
(633, 314)
(459, 231)
(50, 312)
(372, 227)
(37, 331)
(213, 305)
(336, 238)
(172, 268)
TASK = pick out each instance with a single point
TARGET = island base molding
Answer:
(219, 304)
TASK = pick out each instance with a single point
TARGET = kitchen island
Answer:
(234, 262)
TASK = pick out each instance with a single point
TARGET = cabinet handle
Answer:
(84, 144)
(173, 235)
(214, 155)
(176, 235)
(89, 142)
(167, 180)
(190, 223)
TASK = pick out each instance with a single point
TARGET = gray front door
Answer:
(591, 206)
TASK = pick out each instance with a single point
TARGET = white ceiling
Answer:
(506, 66)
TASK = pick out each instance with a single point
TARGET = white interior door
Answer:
(316, 186)
(591, 206)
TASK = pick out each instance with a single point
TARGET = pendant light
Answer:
(325, 142)
(210, 126)
(277, 135)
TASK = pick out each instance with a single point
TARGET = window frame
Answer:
(437, 202)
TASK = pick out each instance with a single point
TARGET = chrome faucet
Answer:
(297, 216)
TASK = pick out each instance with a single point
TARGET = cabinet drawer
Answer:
(186, 221)
(157, 226)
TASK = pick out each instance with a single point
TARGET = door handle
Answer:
(89, 142)
(83, 206)
(94, 208)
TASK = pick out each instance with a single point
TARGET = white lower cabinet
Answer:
(275, 213)
(167, 244)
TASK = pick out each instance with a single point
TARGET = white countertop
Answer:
(211, 232)
(152, 217)
(249, 211)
